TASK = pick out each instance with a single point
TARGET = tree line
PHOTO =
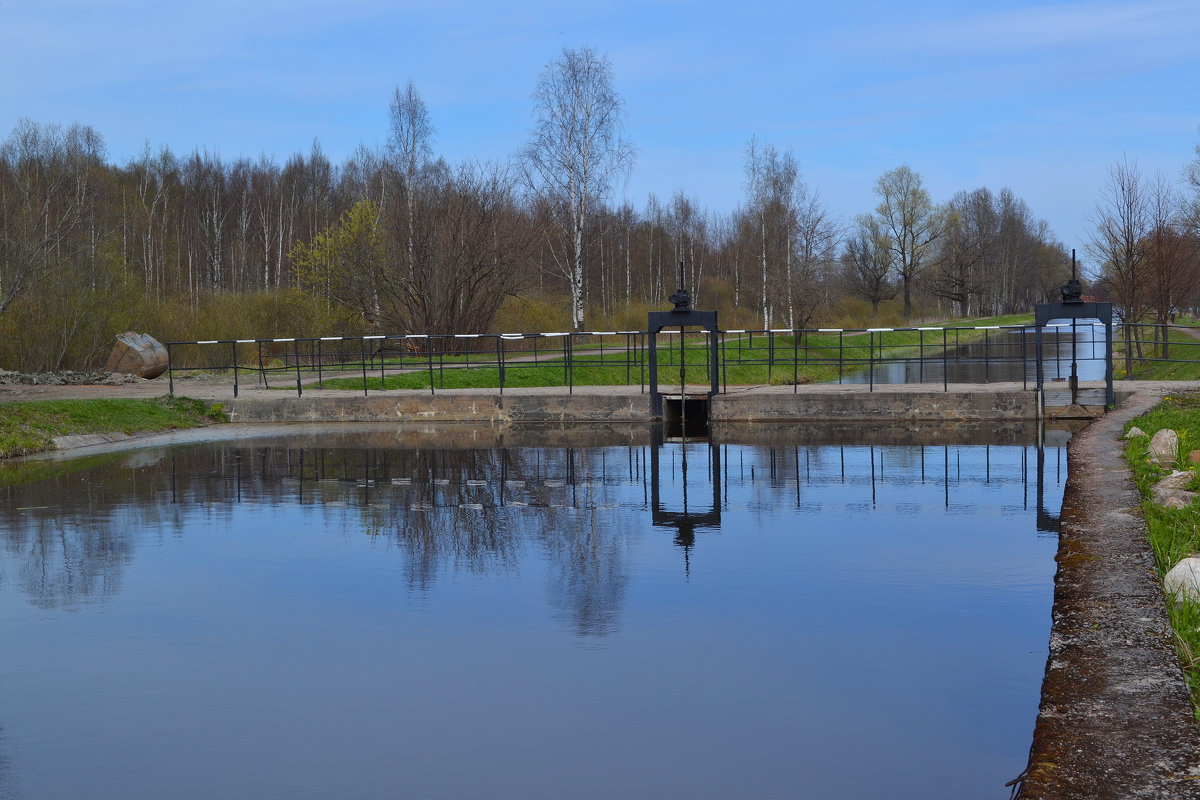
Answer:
(397, 240)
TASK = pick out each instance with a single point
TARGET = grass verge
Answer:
(30, 427)
(748, 359)
(1149, 363)
(1174, 534)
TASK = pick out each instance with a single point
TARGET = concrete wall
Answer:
(445, 407)
(622, 406)
(913, 406)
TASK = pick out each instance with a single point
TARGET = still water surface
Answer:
(350, 619)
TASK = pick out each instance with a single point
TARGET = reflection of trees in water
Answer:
(588, 554)
(68, 538)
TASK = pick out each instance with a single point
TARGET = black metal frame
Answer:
(682, 318)
(1075, 310)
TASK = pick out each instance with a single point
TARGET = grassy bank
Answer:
(1174, 534)
(30, 427)
(1149, 362)
(746, 359)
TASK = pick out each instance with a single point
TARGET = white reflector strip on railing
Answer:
(931, 329)
(246, 341)
(512, 336)
(283, 340)
(741, 330)
(555, 334)
(881, 330)
(332, 338)
(601, 333)
(987, 327)
(209, 341)
(416, 336)
(830, 330)
(466, 336)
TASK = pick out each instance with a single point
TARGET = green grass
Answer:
(1181, 346)
(746, 359)
(1174, 534)
(30, 427)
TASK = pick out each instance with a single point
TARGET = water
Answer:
(366, 617)
(1008, 354)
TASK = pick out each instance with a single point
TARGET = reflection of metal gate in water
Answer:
(685, 514)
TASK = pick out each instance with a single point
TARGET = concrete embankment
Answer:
(1115, 719)
(981, 403)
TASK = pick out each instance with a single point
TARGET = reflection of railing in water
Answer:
(428, 480)
(466, 508)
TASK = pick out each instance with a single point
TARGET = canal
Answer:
(558, 615)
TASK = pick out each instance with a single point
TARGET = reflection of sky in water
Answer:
(861, 622)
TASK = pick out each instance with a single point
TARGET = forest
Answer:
(396, 240)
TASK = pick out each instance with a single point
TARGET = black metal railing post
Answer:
(441, 361)
(987, 378)
(500, 360)
(795, 362)
(945, 364)
(296, 355)
(320, 363)
(770, 354)
(921, 356)
(429, 353)
(1024, 360)
(262, 373)
(362, 354)
(841, 354)
(871, 361)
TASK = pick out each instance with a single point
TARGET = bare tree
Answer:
(867, 263)
(576, 151)
(967, 248)
(409, 147)
(911, 224)
(1171, 271)
(46, 176)
(1121, 225)
(814, 243)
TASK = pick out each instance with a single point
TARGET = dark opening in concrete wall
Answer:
(693, 412)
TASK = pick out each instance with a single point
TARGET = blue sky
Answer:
(1039, 97)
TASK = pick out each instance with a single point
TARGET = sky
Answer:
(1042, 98)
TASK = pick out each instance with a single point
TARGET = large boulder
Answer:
(1164, 447)
(1183, 580)
(138, 354)
(1172, 491)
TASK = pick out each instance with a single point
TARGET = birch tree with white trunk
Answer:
(576, 151)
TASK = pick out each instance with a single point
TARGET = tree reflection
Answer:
(68, 539)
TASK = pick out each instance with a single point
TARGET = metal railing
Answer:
(1152, 350)
(427, 362)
